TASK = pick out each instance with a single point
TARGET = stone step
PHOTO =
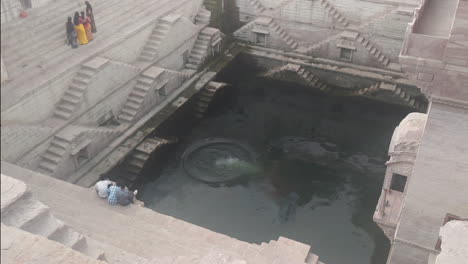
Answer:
(47, 166)
(198, 52)
(129, 112)
(324, 87)
(69, 238)
(194, 61)
(78, 87)
(146, 54)
(75, 94)
(126, 118)
(140, 156)
(136, 100)
(136, 163)
(21, 193)
(52, 158)
(45, 225)
(142, 87)
(153, 43)
(24, 212)
(86, 73)
(131, 105)
(138, 94)
(205, 38)
(66, 106)
(61, 114)
(191, 66)
(60, 143)
(58, 151)
(71, 99)
(145, 80)
(205, 99)
(151, 49)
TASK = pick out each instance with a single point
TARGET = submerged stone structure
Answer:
(71, 116)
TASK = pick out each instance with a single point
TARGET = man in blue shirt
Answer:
(114, 192)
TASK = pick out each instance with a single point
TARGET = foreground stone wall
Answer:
(454, 237)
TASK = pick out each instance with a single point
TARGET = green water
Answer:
(321, 191)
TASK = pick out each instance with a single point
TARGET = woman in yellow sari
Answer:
(80, 30)
(86, 21)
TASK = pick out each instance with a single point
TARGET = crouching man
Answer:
(125, 196)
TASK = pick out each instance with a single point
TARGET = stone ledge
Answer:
(11, 190)
(96, 63)
(153, 72)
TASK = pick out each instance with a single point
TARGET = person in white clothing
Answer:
(102, 188)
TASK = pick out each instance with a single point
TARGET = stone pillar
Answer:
(4, 75)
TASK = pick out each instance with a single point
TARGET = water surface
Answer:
(319, 185)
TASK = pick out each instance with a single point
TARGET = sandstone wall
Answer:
(309, 23)
(10, 10)
(40, 106)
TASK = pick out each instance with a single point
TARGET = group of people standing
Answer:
(82, 28)
(115, 193)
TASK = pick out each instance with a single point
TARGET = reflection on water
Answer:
(322, 166)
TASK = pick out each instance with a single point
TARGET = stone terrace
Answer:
(34, 49)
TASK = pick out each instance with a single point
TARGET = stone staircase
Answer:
(203, 17)
(373, 50)
(312, 80)
(333, 11)
(307, 77)
(257, 4)
(77, 89)
(283, 34)
(63, 142)
(367, 90)
(135, 162)
(199, 51)
(266, 22)
(23, 212)
(405, 96)
(205, 97)
(136, 98)
(380, 89)
(359, 37)
(150, 50)
(58, 149)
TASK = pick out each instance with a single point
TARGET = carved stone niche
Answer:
(402, 151)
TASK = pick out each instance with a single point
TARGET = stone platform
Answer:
(138, 232)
